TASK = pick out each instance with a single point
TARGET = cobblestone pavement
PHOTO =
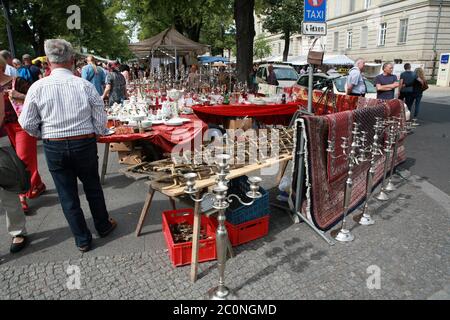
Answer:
(410, 244)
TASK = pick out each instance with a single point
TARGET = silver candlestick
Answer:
(344, 234)
(375, 150)
(399, 131)
(382, 196)
(221, 203)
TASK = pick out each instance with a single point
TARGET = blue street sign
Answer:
(315, 11)
(444, 58)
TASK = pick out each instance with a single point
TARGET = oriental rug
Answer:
(324, 200)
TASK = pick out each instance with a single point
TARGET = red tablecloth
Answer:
(268, 114)
(164, 136)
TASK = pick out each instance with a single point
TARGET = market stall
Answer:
(205, 175)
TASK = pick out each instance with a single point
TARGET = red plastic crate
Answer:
(181, 253)
(247, 231)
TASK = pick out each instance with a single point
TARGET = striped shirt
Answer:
(61, 106)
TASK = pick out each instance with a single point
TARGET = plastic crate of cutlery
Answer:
(181, 253)
(237, 213)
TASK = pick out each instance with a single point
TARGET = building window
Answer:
(352, 5)
(367, 4)
(349, 39)
(382, 34)
(403, 32)
(364, 36)
(279, 47)
(337, 8)
(336, 41)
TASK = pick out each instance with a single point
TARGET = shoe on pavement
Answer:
(18, 246)
(113, 226)
(37, 191)
(85, 248)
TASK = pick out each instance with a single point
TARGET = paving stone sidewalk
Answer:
(410, 244)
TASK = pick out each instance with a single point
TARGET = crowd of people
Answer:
(411, 85)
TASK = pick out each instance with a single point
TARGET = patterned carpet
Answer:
(326, 176)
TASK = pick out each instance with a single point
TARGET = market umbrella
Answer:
(219, 64)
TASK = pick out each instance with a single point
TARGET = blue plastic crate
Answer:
(237, 213)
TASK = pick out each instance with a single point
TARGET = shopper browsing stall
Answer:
(68, 113)
(116, 88)
(94, 74)
(24, 144)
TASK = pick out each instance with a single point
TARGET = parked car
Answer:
(321, 81)
(286, 74)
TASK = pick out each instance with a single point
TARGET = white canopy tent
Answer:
(338, 60)
(327, 60)
(298, 61)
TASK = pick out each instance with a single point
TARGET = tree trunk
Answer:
(245, 34)
(193, 32)
(287, 43)
(31, 36)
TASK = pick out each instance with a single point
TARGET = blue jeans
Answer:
(409, 99)
(418, 99)
(67, 161)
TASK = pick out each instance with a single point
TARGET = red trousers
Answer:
(26, 149)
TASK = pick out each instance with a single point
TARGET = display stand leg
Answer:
(195, 239)
(144, 212)
(282, 171)
(319, 232)
(299, 192)
(172, 203)
(105, 163)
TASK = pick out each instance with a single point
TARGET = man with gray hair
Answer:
(386, 83)
(68, 113)
(355, 80)
(10, 70)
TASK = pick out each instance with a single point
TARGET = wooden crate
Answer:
(130, 158)
(243, 124)
(121, 146)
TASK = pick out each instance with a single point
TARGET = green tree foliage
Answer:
(261, 48)
(220, 33)
(193, 18)
(34, 21)
(283, 16)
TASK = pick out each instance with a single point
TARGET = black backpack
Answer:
(14, 176)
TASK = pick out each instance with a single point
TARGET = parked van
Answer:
(286, 74)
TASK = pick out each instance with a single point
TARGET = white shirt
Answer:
(10, 71)
(63, 105)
